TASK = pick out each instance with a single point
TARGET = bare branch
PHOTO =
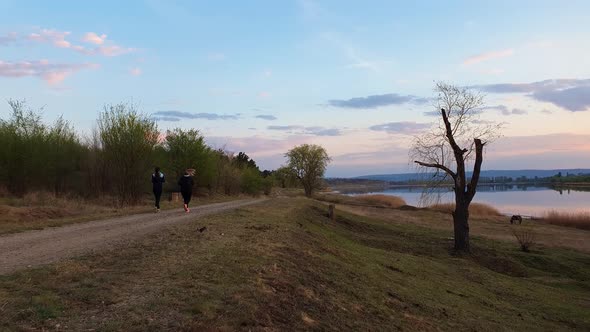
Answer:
(439, 166)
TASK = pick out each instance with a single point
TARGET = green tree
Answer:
(308, 163)
(187, 149)
(66, 153)
(128, 138)
(285, 177)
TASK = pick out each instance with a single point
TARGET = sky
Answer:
(356, 77)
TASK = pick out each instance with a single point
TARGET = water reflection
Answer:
(522, 199)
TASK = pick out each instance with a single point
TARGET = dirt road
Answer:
(50, 245)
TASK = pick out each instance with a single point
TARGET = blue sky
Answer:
(263, 76)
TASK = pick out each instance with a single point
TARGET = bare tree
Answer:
(458, 139)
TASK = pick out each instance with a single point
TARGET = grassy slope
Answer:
(285, 266)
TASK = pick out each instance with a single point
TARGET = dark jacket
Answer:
(157, 180)
(186, 183)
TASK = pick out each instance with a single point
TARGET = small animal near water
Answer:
(516, 218)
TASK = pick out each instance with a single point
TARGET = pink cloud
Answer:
(93, 38)
(488, 56)
(522, 146)
(135, 71)
(55, 37)
(52, 73)
(58, 39)
(112, 50)
(264, 94)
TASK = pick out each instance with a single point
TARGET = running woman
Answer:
(186, 189)
(157, 180)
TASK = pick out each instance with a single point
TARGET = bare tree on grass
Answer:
(308, 163)
(448, 148)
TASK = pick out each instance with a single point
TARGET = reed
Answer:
(579, 220)
(475, 209)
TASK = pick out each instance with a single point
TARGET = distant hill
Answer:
(528, 173)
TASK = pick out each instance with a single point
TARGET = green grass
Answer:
(283, 265)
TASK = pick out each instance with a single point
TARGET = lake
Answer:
(510, 199)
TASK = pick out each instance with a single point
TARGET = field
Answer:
(283, 265)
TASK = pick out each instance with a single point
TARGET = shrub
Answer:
(251, 181)
(525, 237)
(35, 155)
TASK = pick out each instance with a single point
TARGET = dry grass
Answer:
(38, 210)
(579, 220)
(475, 209)
(283, 266)
(363, 200)
(382, 200)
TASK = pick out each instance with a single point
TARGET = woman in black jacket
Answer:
(186, 189)
(157, 180)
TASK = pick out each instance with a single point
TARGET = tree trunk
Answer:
(461, 226)
(308, 191)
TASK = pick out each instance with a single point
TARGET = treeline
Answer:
(118, 157)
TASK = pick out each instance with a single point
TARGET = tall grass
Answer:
(475, 209)
(382, 200)
(579, 220)
(366, 200)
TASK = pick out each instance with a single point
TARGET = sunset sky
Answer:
(354, 76)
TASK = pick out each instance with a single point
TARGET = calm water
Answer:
(533, 201)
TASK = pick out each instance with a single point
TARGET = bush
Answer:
(36, 156)
(525, 237)
(251, 181)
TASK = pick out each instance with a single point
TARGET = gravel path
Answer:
(33, 248)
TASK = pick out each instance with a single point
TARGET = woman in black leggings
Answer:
(157, 180)
(186, 189)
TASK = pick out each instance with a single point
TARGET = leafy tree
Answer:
(285, 177)
(308, 163)
(187, 149)
(457, 139)
(66, 153)
(128, 138)
(243, 161)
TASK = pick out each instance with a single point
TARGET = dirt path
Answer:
(50, 245)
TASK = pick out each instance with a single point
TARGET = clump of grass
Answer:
(579, 220)
(382, 200)
(475, 209)
(525, 237)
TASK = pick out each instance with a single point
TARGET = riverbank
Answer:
(510, 200)
(285, 266)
